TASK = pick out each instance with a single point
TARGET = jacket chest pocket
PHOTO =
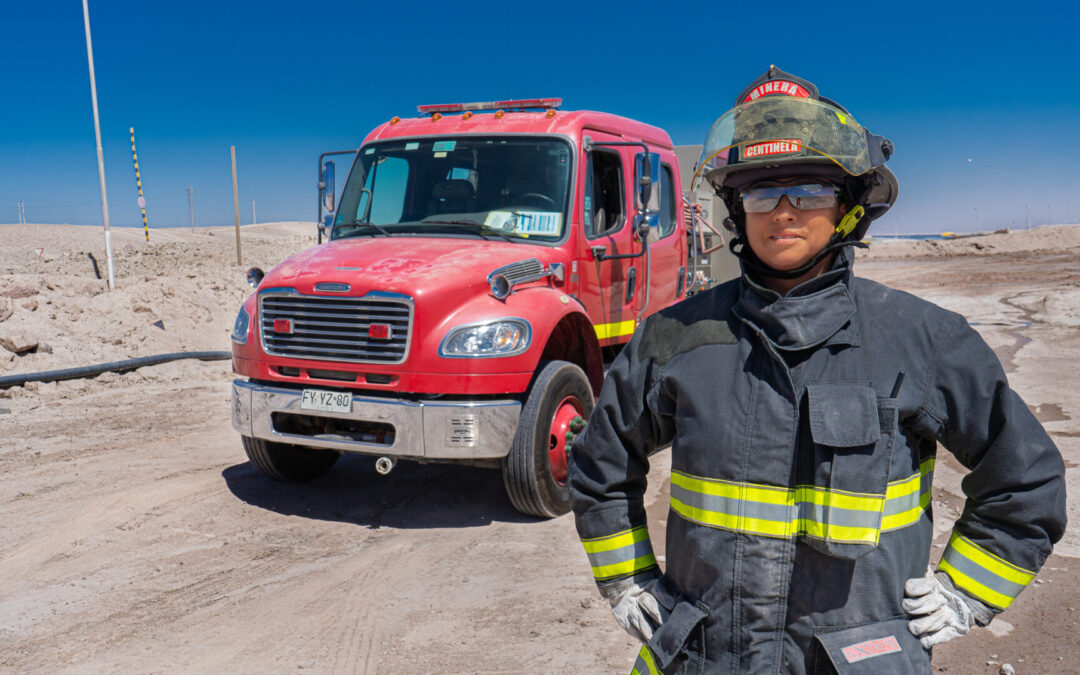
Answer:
(853, 432)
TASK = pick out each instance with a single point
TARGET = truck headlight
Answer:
(240, 327)
(502, 337)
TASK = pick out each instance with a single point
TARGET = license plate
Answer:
(327, 401)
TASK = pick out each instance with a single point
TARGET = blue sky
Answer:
(981, 100)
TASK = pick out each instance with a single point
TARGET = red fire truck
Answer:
(482, 263)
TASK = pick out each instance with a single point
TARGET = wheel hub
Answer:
(569, 408)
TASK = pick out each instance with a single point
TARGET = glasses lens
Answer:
(803, 196)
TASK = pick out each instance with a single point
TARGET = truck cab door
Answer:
(609, 288)
(667, 250)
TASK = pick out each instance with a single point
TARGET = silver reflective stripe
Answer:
(819, 513)
(897, 505)
(620, 554)
(732, 506)
(638, 549)
(980, 574)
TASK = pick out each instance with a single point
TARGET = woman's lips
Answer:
(784, 237)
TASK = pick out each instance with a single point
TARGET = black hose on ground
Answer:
(115, 366)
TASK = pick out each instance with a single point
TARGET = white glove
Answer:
(638, 611)
(942, 613)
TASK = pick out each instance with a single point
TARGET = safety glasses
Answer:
(803, 196)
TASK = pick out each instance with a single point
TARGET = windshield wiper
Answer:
(367, 224)
(475, 224)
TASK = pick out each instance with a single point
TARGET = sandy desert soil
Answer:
(134, 536)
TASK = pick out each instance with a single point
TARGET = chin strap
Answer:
(837, 241)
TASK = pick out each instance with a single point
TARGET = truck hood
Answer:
(413, 266)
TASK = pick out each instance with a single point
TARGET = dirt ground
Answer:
(135, 537)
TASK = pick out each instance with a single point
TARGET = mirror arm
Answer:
(600, 252)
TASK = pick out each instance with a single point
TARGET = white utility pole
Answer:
(191, 206)
(252, 211)
(235, 201)
(97, 135)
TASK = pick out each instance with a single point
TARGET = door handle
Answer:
(631, 284)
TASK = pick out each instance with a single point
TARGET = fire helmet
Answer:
(781, 127)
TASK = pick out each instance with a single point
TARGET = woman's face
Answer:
(786, 237)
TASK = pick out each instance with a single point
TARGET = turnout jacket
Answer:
(803, 433)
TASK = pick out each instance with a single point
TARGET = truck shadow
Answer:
(412, 496)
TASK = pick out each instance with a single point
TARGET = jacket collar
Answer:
(816, 312)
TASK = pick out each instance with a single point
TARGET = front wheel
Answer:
(292, 463)
(535, 470)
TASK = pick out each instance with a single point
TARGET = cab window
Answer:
(603, 194)
(666, 217)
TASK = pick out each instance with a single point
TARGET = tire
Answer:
(284, 462)
(535, 470)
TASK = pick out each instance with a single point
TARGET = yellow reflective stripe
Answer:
(838, 533)
(851, 501)
(617, 329)
(625, 568)
(987, 560)
(767, 494)
(617, 540)
(901, 520)
(645, 664)
(905, 486)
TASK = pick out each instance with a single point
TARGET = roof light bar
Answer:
(516, 104)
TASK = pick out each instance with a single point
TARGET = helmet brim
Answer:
(782, 129)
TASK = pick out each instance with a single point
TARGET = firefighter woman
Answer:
(804, 407)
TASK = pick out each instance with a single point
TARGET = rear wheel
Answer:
(292, 463)
(535, 470)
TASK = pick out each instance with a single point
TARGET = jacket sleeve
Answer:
(1015, 507)
(609, 464)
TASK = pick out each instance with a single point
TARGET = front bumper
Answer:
(455, 430)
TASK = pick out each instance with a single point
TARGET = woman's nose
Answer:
(783, 211)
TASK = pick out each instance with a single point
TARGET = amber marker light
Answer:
(395, 120)
(467, 115)
(499, 114)
(436, 117)
(549, 113)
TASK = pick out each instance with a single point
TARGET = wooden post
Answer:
(236, 203)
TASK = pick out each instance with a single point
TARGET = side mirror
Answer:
(643, 224)
(255, 277)
(647, 179)
(326, 186)
(326, 225)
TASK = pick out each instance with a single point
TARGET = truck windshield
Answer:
(509, 187)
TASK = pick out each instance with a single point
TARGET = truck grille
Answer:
(335, 328)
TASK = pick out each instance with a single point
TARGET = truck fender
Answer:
(562, 331)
